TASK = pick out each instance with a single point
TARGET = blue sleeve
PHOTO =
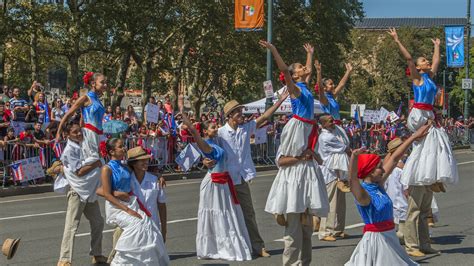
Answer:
(216, 153)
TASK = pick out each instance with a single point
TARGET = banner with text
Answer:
(249, 15)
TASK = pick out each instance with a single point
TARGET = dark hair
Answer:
(324, 80)
(205, 125)
(70, 124)
(10, 129)
(291, 69)
(110, 144)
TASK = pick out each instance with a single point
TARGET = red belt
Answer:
(380, 226)
(313, 137)
(222, 178)
(423, 106)
(93, 128)
(141, 205)
(338, 122)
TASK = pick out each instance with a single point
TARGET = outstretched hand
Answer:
(317, 65)
(266, 44)
(436, 41)
(393, 33)
(423, 130)
(308, 48)
(348, 67)
(359, 151)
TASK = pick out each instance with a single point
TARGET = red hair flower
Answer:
(87, 77)
(282, 78)
(407, 71)
(316, 88)
(103, 149)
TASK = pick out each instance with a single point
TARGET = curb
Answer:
(44, 188)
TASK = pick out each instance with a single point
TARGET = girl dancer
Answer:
(379, 245)
(92, 115)
(221, 230)
(435, 148)
(141, 242)
(298, 189)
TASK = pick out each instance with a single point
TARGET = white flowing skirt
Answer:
(221, 230)
(300, 186)
(141, 242)
(380, 249)
(431, 159)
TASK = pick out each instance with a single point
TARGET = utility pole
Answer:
(467, 93)
(269, 101)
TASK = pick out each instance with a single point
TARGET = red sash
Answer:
(423, 106)
(380, 226)
(94, 129)
(141, 205)
(222, 178)
(313, 137)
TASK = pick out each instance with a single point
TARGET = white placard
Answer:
(371, 116)
(361, 109)
(383, 114)
(152, 113)
(268, 88)
(188, 157)
(261, 135)
(393, 116)
(29, 168)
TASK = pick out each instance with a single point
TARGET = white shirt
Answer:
(329, 144)
(394, 189)
(236, 144)
(85, 186)
(150, 194)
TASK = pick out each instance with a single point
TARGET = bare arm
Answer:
(344, 79)
(78, 104)
(309, 59)
(292, 88)
(414, 75)
(30, 91)
(319, 77)
(88, 168)
(266, 115)
(390, 162)
(360, 194)
(435, 60)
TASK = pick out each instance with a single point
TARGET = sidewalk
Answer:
(43, 188)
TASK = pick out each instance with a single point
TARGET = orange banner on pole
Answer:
(249, 15)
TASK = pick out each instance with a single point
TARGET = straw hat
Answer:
(10, 246)
(231, 106)
(50, 171)
(394, 144)
(137, 153)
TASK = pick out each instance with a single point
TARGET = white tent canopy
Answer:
(285, 108)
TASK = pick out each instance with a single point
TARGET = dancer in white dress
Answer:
(221, 230)
(298, 190)
(141, 242)
(379, 245)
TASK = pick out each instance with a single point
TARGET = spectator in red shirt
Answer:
(168, 106)
(5, 117)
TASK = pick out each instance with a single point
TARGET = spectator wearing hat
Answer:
(149, 188)
(234, 138)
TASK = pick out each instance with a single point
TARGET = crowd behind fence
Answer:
(165, 149)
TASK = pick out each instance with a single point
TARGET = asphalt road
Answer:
(39, 221)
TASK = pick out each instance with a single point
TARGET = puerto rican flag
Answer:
(42, 157)
(58, 150)
(18, 173)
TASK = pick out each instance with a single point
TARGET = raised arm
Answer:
(390, 162)
(292, 88)
(319, 79)
(78, 104)
(360, 194)
(435, 60)
(265, 116)
(411, 65)
(344, 79)
(309, 60)
(30, 91)
(204, 146)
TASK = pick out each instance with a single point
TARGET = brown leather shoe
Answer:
(99, 259)
(328, 238)
(342, 235)
(64, 263)
(263, 253)
(416, 253)
(280, 219)
(430, 250)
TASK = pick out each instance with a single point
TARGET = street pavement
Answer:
(39, 220)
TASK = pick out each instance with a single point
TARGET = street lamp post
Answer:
(468, 28)
(269, 101)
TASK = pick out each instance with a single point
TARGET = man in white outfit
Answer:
(333, 152)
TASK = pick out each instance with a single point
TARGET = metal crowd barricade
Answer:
(158, 148)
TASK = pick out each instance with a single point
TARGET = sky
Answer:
(416, 8)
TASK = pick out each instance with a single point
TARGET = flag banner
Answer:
(268, 89)
(58, 150)
(249, 15)
(454, 46)
(188, 157)
(42, 156)
(27, 169)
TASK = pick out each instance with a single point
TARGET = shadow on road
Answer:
(182, 255)
(449, 239)
(469, 250)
